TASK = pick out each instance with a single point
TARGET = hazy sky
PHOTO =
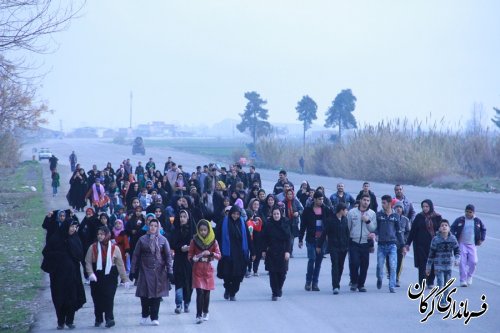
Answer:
(191, 61)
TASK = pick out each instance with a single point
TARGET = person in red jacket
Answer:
(202, 250)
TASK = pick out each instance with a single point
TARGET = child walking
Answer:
(202, 251)
(443, 253)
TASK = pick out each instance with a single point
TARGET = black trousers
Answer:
(337, 258)
(65, 315)
(254, 264)
(359, 259)
(150, 307)
(276, 280)
(421, 273)
(103, 294)
(232, 285)
(202, 301)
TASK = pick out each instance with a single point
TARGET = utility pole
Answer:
(131, 97)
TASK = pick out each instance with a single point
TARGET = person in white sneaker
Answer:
(203, 249)
(470, 232)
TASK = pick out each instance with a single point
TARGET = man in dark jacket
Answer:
(387, 230)
(470, 232)
(337, 231)
(312, 226)
(373, 197)
(278, 187)
(253, 177)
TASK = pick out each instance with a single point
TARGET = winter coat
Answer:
(203, 271)
(479, 230)
(276, 241)
(421, 238)
(122, 242)
(308, 225)
(152, 273)
(373, 200)
(294, 220)
(337, 232)
(182, 267)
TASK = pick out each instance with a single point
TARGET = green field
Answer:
(218, 148)
(21, 240)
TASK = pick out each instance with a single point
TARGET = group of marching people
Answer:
(161, 229)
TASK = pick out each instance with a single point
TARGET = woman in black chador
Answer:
(61, 259)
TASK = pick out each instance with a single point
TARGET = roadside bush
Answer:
(394, 151)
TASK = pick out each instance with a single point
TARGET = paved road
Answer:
(298, 310)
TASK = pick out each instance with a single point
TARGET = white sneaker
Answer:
(463, 284)
(155, 323)
(206, 316)
(144, 321)
(469, 281)
(199, 320)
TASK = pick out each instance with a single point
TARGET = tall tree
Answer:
(340, 113)
(496, 120)
(306, 108)
(253, 119)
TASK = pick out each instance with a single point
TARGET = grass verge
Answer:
(21, 241)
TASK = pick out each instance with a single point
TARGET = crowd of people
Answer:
(161, 228)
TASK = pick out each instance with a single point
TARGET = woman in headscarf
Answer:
(152, 263)
(255, 226)
(78, 189)
(103, 264)
(276, 250)
(181, 238)
(119, 235)
(234, 239)
(133, 192)
(203, 249)
(423, 229)
(61, 259)
(87, 231)
(303, 193)
(293, 211)
(267, 207)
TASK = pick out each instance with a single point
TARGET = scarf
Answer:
(429, 223)
(97, 192)
(107, 269)
(289, 207)
(226, 239)
(204, 243)
(117, 231)
(154, 244)
(254, 225)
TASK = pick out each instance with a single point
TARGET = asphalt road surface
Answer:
(298, 310)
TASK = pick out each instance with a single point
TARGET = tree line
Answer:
(339, 114)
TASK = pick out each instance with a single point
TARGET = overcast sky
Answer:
(191, 61)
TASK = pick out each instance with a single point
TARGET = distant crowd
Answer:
(158, 227)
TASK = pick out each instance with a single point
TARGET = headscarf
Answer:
(59, 220)
(204, 243)
(154, 240)
(101, 252)
(227, 224)
(429, 223)
(222, 185)
(289, 205)
(117, 231)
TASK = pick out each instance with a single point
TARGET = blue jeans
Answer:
(383, 251)
(314, 262)
(442, 278)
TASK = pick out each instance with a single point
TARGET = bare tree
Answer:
(24, 22)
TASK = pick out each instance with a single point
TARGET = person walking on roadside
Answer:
(203, 249)
(387, 230)
(53, 162)
(470, 232)
(61, 259)
(337, 231)
(234, 239)
(55, 181)
(152, 266)
(72, 161)
(373, 197)
(404, 230)
(312, 226)
(443, 253)
(276, 250)
(423, 230)
(342, 197)
(408, 209)
(362, 221)
(103, 264)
